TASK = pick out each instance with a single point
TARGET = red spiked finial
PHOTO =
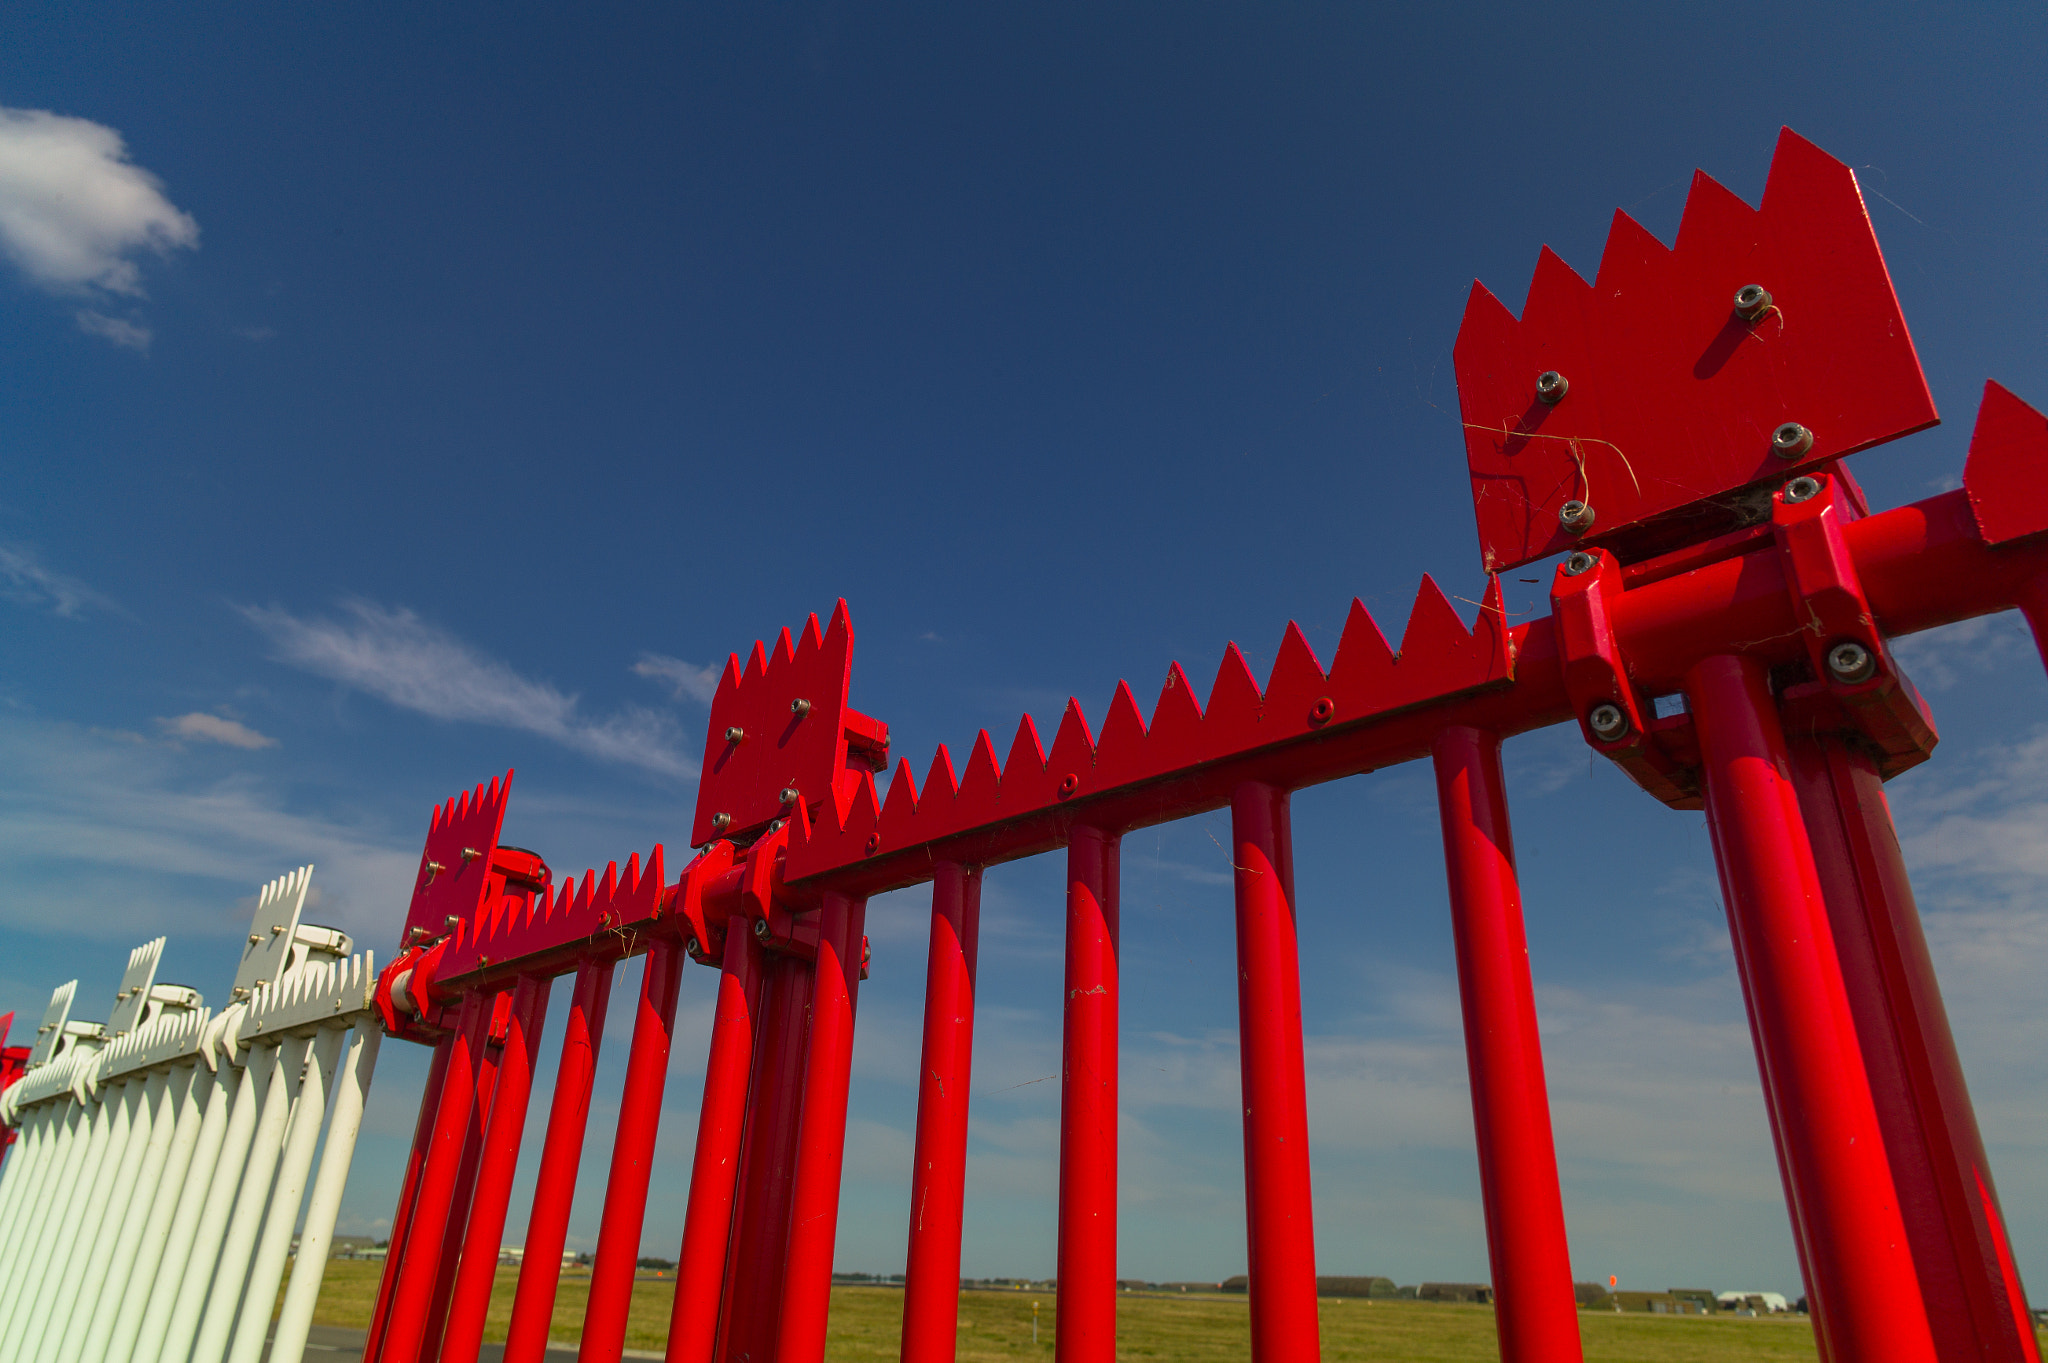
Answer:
(1635, 412)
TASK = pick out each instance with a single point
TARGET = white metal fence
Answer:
(147, 1211)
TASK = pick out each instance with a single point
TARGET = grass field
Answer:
(1198, 1329)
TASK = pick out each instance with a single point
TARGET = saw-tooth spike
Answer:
(900, 808)
(1296, 683)
(2003, 474)
(757, 664)
(785, 650)
(1633, 252)
(1434, 631)
(981, 787)
(863, 811)
(1120, 750)
(1175, 733)
(1231, 719)
(939, 781)
(1711, 211)
(1364, 663)
(1073, 750)
(812, 641)
(1026, 784)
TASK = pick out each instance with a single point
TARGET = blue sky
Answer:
(390, 397)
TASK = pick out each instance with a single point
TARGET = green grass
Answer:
(1197, 1329)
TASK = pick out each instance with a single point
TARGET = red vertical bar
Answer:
(751, 1312)
(408, 1194)
(478, 1273)
(707, 1223)
(405, 1325)
(938, 1179)
(1534, 1310)
(625, 1191)
(554, 1190)
(1865, 1296)
(489, 1052)
(1976, 1305)
(821, 1137)
(1279, 1201)
(1085, 1328)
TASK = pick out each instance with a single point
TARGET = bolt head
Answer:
(789, 795)
(799, 707)
(1579, 562)
(1791, 440)
(1607, 721)
(760, 927)
(735, 734)
(721, 822)
(1802, 489)
(1551, 386)
(1752, 301)
(1575, 516)
(1850, 661)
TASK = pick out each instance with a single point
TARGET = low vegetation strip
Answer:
(1196, 1328)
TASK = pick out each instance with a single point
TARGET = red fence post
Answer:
(510, 1094)
(409, 1309)
(750, 1313)
(1085, 1328)
(554, 1189)
(938, 1176)
(488, 1054)
(625, 1191)
(821, 1140)
(1535, 1312)
(721, 1122)
(1279, 1199)
(1976, 1305)
(1866, 1298)
(408, 1195)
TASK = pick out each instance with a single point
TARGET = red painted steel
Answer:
(395, 1254)
(1534, 1311)
(625, 1192)
(407, 1321)
(938, 1176)
(1976, 1306)
(1278, 1196)
(1705, 574)
(510, 1095)
(1085, 1329)
(554, 1187)
(714, 1174)
(1672, 393)
(821, 1139)
(1867, 1299)
(489, 1054)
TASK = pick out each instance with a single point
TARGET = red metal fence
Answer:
(1718, 629)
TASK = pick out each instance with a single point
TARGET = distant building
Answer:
(1355, 1287)
(516, 1254)
(1472, 1292)
(1758, 1302)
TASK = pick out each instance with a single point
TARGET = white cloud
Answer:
(214, 729)
(119, 330)
(25, 580)
(74, 209)
(683, 679)
(396, 656)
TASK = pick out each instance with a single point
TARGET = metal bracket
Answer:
(1613, 718)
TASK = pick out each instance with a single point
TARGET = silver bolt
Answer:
(1575, 516)
(789, 795)
(1850, 661)
(470, 854)
(1607, 721)
(721, 822)
(435, 868)
(1791, 440)
(776, 826)
(692, 947)
(1551, 386)
(735, 734)
(1802, 489)
(1579, 562)
(453, 922)
(254, 938)
(799, 707)
(1752, 301)
(760, 927)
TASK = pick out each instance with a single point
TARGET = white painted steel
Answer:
(144, 1343)
(287, 1061)
(146, 1198)
(70, 1246)
(99, 1246)
(273, 1246)
(118, 1159)
(51, 1243)
(351, 1089)
(19, 1175)
(114, 1330)
(175, 1344)
(65, 1143)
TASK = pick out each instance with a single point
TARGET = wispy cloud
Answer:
(390, 653)
(26, 580)
(119, 330)
(683, 679)
(215, 729)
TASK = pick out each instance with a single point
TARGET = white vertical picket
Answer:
(144, 1200)
(175, 1344)
(352, 1087)
(100, 1243)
